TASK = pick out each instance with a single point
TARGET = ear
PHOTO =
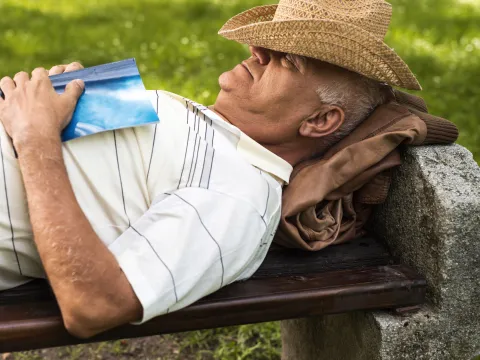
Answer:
(323, 123)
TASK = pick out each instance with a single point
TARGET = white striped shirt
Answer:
(186, 206)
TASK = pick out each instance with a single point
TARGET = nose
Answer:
(263, 55)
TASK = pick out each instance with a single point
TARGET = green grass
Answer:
(176, 47)
(259, 342)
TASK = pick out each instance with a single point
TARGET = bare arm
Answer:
(92, 291)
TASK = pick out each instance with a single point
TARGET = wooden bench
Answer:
(360, 275)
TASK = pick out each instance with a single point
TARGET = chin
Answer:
(225, 81)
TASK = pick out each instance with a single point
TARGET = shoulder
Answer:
(205, 154)
(249, 216)
(166, 103)
(235, 177)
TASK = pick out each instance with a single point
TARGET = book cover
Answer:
(114, 98)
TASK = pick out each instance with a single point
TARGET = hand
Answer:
(32, 109)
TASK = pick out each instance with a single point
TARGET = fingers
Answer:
(7, 85)
(41, 80)
(73, 67)
(21, 78)
(60, 69)
(39, 74)
(74, 90)
(57, 69)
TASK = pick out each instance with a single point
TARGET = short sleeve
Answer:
(189, 244)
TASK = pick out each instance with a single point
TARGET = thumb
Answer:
(74, 90)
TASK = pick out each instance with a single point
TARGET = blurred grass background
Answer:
(176, 47)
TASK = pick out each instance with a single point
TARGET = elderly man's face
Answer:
(270, 95)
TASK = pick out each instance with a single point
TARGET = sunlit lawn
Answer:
(176, 47)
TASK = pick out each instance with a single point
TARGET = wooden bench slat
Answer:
(39, 325)
(290, 284)
(359, 253)
(279, 262)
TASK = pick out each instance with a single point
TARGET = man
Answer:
(135, 223)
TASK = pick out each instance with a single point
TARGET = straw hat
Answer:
(346, 33)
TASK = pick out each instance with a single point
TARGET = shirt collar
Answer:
(251, 151)
(264, 159)
(254, 153)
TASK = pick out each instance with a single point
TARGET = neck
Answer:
(293, 153)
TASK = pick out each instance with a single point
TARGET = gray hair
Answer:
(358, 96)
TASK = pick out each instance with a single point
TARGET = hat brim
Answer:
(335, 42)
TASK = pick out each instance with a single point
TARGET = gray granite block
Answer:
(430, 221)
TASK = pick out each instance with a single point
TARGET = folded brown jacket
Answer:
(329, 199)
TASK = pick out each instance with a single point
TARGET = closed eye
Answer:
(288, 59)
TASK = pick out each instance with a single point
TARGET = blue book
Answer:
(114, 98)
